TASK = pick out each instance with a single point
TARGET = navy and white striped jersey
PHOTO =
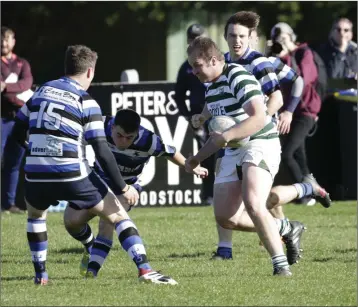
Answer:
(260, 66)
(61, 117)
(132, 160)
(285, 74)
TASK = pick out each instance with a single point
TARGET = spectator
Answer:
(16, 81)
(187, 81)
(300, 57)
(340, 53)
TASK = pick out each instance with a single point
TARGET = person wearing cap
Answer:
(340, 52)
(305, 115)
(187, 81)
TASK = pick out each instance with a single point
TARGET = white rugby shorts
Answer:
(265, 153)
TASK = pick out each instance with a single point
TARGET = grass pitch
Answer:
(179, 241)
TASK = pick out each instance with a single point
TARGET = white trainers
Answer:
(157, 278)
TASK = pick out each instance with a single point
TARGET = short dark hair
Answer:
(194, 31)
(247, 19)
(206, 47)
(78, 59)
(5, 31)
(128, 120)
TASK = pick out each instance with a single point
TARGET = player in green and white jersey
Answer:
(243, 175)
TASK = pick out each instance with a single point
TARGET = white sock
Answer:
(284, 226)
(299, 189)
(225, 244)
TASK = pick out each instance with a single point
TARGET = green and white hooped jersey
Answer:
(227, 96)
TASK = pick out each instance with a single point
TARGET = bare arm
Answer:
(274, 103)
(177, 159)
(253, 124)
(256, 121)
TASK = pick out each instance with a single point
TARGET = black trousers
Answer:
(294, 148)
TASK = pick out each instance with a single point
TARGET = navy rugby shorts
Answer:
(80, 194)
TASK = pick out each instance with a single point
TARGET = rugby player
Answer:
(61, 119)
(243, 176)
(238, 29)
(132, 146)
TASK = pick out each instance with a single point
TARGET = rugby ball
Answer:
(221, 123)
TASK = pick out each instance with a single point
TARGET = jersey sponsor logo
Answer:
(216, 109)
(129, 169)
(48, 92)
(49, 147)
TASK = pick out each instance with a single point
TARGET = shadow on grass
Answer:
(72, 250)
(327, 259)
(194, 255)
(13, 261)
(16, 278)
(31, 278)
(346, 250)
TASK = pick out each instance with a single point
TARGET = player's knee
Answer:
(70, 221)
(70, 224)
(254, 209)
(273, 199)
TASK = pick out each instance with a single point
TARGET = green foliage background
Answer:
(122, 31)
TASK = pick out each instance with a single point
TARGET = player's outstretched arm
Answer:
(179, 160)
(274, 103)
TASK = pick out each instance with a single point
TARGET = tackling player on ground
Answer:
(132, 146)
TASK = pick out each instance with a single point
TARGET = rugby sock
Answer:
(284, 226)
(37, 238)
(279, 261)
(303, 189)
(132, 243)
(99, 252)
(85, 236)
(224, 249)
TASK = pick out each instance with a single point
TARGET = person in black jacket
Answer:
(187, 81)
(340, 52)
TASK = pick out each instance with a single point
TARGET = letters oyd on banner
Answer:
(164, 183)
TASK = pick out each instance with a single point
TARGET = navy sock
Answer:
(85, 236)
(132, 243)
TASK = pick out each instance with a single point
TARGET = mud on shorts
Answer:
(265, 153)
